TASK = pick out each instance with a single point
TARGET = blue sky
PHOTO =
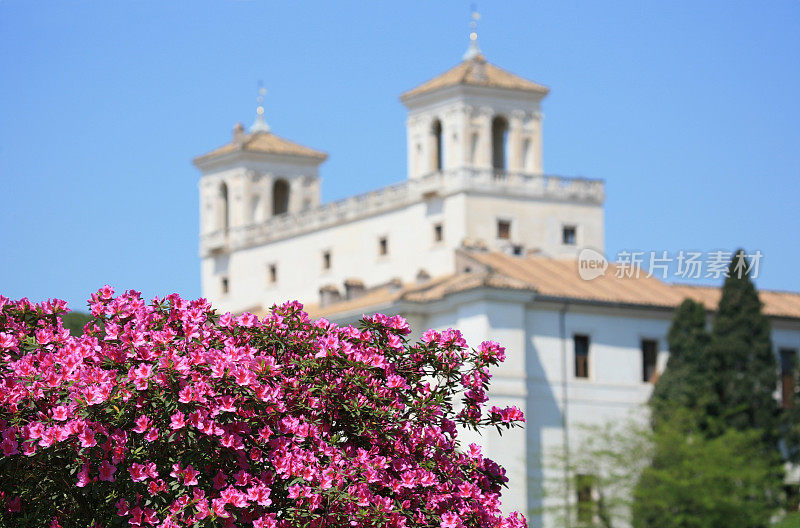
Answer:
(688, 110)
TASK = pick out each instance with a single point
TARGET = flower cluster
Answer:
(168, 414)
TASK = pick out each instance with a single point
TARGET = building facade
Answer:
(479, 238)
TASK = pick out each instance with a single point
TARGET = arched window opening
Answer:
(436, 132)
(222, 209)
(280, 197)
(499, 137)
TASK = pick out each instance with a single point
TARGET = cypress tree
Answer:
(717, 390)
(684, 384)
(742, 366)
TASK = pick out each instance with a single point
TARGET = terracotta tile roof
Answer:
(477, 72)
(265, 142)
(559, 278)
(372, 297)
(555, 278)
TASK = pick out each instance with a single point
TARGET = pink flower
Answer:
(218, 505)
(474, 451)
(234, 497)
(203, 509)
(9, 446)
(185, 394)
(86, 436)
(190, 476)
(143, 423)
(260, 494)
(60, 413)
(395, 342)
(252, 396)
(226, 404)
(122, 507)
(220, 480)
(177, 421)
(396, 382)
(326, 479)
(107, 471)
(106, 292)
(450, 520)
(150, 516)
(48, 437)
(83, 476)
(7, 340)
(243, 376)
(267, 521)
(430, 336)
(295, 490)
(137, 472)
(408, 479)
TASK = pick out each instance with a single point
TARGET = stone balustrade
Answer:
(442, 183)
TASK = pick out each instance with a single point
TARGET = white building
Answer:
(477, 238)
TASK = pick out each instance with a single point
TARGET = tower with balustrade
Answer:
(475, 179)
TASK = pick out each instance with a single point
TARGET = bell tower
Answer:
(256, 176)
(475, 115)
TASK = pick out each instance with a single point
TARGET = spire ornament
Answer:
(260, 124)
(474, 50)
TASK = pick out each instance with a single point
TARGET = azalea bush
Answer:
(169, 414)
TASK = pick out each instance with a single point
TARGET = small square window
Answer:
(272, 273)
(568, 237)
(326, 260)
(503, 229)
(383, 246)
(581, 344)
(224, 285)
(649, 356)
(438, 233)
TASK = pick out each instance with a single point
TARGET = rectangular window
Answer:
(568, 235)
(272, 273)
(581, 343)
(788, 370)
(383, 246)
(583, 491)
(438, 233)
(503, 229)
(224, 285)
(649, 356)
(326, 260)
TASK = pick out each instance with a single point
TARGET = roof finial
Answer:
(260, 124)
(474, 50)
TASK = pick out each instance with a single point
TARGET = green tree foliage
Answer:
(741, 362)
(684, 384)
(790, 521)
(603, 467)
(717, 434)
(699, 482)
(667, 478)
(75, 321)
